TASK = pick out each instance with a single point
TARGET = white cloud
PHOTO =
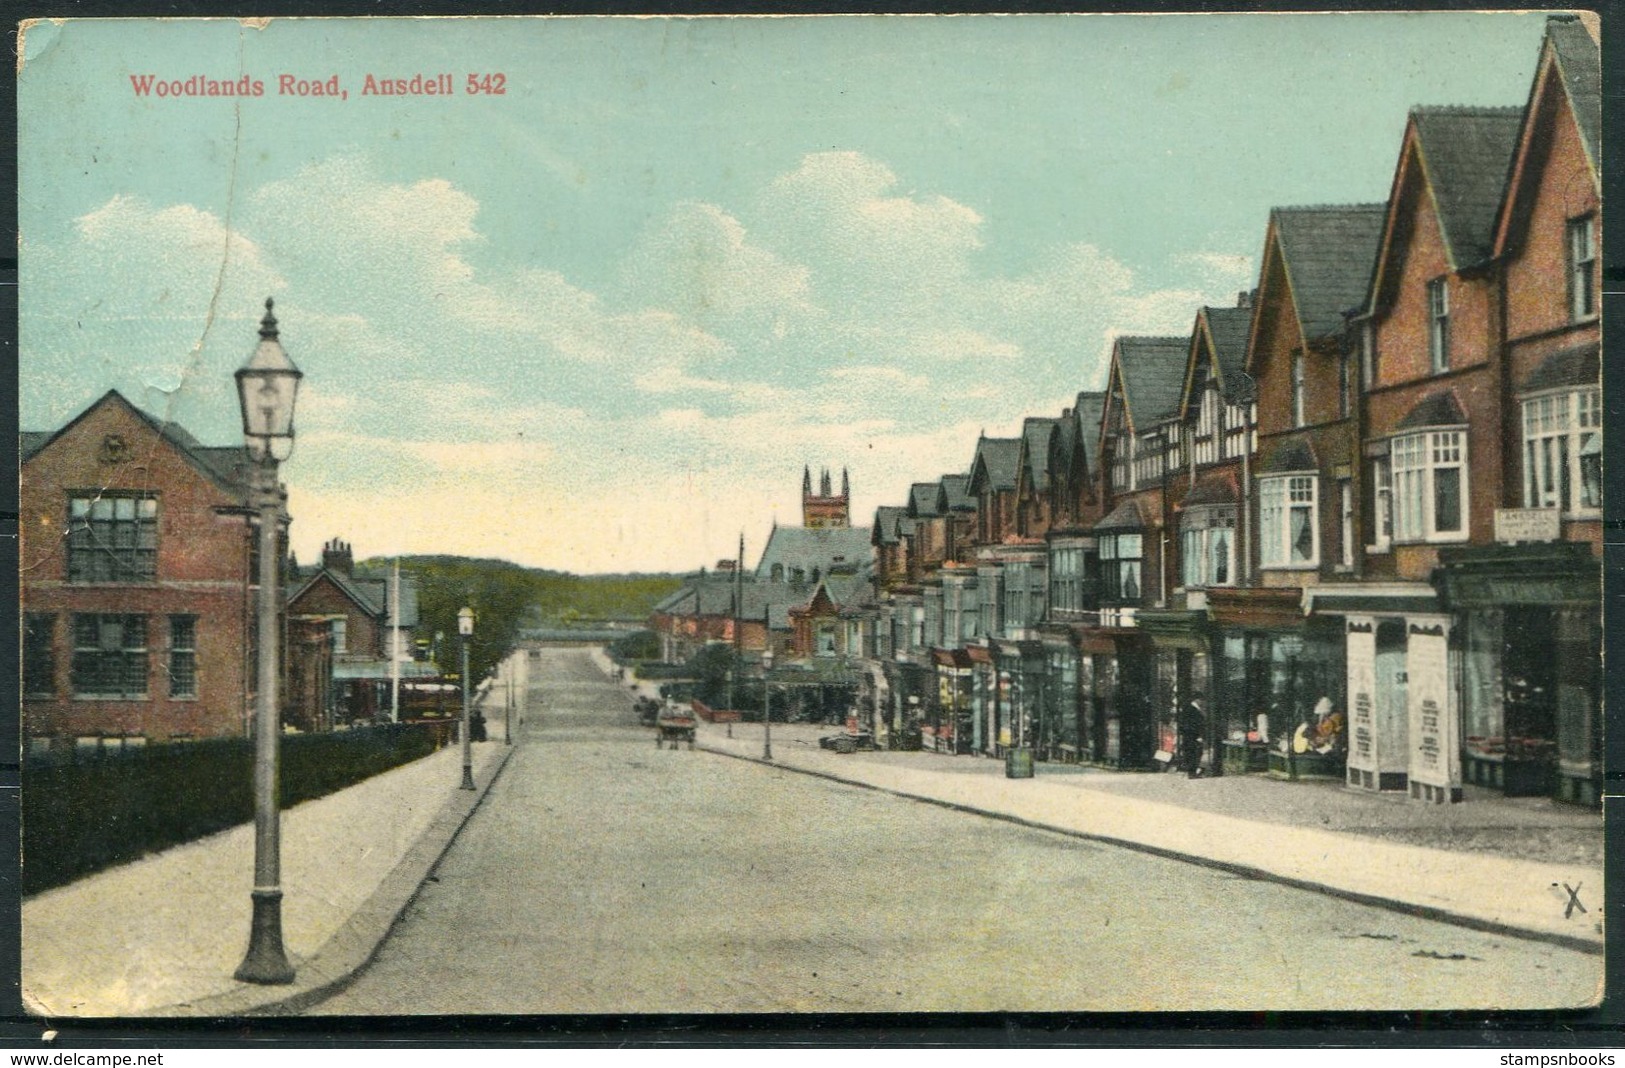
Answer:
(837, 318)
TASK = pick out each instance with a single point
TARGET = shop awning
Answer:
(1256, 606)
(1379, 598)
(378, 670)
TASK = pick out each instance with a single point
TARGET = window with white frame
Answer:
(1207, 542)
(1238, 422)
(1122, 457)
(1582, 249)
(1148, 450)
(1345, 505)
(1439, 324)
(1120, 559)
(1288, 535)
(1297, 389)
(1066, 578)
(1429, 476)
(1345, 383)
(1382, 505)
(1207, 424)
(1562, 451)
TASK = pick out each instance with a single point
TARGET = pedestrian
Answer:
(1190, 738)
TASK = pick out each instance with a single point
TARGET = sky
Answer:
(601, 321)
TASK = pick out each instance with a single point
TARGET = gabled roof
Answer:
(1326, 253)
(885, 528)
(953, 494)
(1569, 60)
(1580, 63)
(1151, 371)
(371, 595)
(1087, 412)
(1036, 432)
(806, 548)
(224, 465)
(31, 441)
(995, 464)
(1223, 332)
(922, 500)
(1466, 153)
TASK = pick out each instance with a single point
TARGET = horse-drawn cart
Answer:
(675, 724)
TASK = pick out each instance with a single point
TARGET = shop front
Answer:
(1115, 677)
(1530, 626)
(1188, 720)
(1398, 681)
(950, 729)
(1278, 682)
(1061, 730)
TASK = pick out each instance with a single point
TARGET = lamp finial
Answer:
(268, 324)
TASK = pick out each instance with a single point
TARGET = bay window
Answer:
(1429, 476)
(1120, 558)
(1288, 535)
(1562, 451)
(1208, 546)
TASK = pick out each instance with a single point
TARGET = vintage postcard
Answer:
(860, 514)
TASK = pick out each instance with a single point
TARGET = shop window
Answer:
(110, 656)
(39, 654)
(183, 656)
(1120, 560)
(112, 538)
(1288, 534)
(1208, 546)
(1429, 477)
(1439, 324)
(1562, 451)
(1582, 262)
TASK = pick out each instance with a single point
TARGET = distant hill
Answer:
(507, 596)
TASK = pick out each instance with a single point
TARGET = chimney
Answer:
(1244, 299)
(336, 557)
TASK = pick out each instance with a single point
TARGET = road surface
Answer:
(604, 876)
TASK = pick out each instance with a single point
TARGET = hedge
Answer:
(82, 815)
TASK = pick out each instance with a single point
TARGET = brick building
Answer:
(138, 582)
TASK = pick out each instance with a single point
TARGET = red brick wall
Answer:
(363, 635)
(202, 561)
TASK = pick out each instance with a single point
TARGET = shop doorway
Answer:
(1529, 690)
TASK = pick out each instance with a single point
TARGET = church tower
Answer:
(825, 508)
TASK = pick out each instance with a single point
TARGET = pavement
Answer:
(1492, 863)
(161, 936)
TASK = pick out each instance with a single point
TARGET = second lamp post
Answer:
(465, 628)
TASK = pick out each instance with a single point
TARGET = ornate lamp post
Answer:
(465, 628)
(267, 386)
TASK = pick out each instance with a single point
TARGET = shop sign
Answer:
(1435, 742)
(1515, 525)
(1362, 689)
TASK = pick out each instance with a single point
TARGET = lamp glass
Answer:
(465, 622)
(267, 396)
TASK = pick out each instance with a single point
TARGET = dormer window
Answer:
(1582, 256)
(1439, 325)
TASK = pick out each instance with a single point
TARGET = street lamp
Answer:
(267, 386)
(767, 700)
(465, 628)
